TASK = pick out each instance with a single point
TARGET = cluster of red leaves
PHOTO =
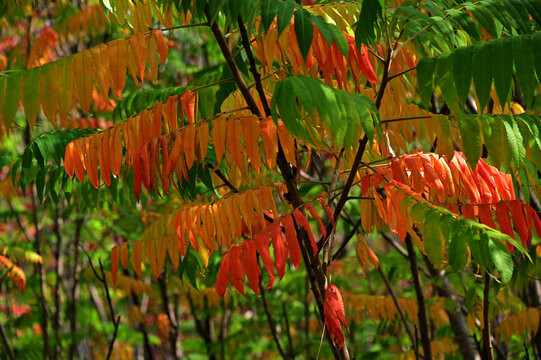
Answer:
(335, 315)
(454, 185)
(241, 258)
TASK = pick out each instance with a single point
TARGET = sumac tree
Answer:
(224, 147)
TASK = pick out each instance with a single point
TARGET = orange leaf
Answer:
(172, 249)
(124, 255)
(100, 68)
(250, 133)
(218, 137)
(82, 70)
(114, 263)
(288, 143)
(292, 242)
(233, 140)
(136, 257)
(163, 49)
(139, 48)
(177, 224)
(270, 143)
(202, 141)
(118, 63)
(116, 150)
(78, 161)
(171, 111)
(69, 159)
(105, 165)
(188, 100)
(189, 144)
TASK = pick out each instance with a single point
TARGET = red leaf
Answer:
(365, 66)
(485, 215)
(249, 261)
(520, 221)
(235, 269)
(313, 213)
(365, 184)
(262, 244)
(223, 276)
(292, 242)
(504, 220)
(533, 215)
(301, 220)
(280, 250)
(327, 208)
(335, 315)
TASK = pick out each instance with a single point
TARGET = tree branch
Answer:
(487, 343)
(423, 318)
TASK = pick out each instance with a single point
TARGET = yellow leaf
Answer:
(118, 63)
(49, 91)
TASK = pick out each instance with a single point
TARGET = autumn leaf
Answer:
(335, 316)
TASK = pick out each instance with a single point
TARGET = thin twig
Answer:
(6, 343)
(288, 332)
(486, 321)
(400, 311)
(270, 320)
(402, 73)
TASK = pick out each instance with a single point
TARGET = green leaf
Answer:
(503, 67)
(514, 139)
(524, 67)
(30, 95)
(425, 76)
(11, 103)
(298, 98)
(433, 239)
(502, 259)
(366, 26)
(536, 48)
(494, 135)
(470, 131)
(304, 30)
(285, 12)
(457, 250)
(462, 58)
(444, 75)
(482, 74)
(269, 8)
